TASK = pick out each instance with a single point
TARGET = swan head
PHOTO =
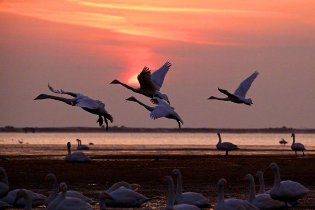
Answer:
(63, 187)
(176, 172)
(131, 99)
(41, 96)
(222, 182)
(248, 101)
(248, 177)
(293, 135)
(115, 81)
(273, 166)
(259, 173)
(50, 177)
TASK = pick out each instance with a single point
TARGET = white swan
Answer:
(82, 146)
(70, 203)
(297, 146)
(4, 183)
(76, 156)
(70, 193)
(162, 109)
(263, 201)
(192, 198)
(171, 198)
(10, 198)
(286, 191)
(24, 194)
(150, 84)
(225, 146)
(124, 197)
(134, 187)
(239, 95)
(231, 203)
(90, 105)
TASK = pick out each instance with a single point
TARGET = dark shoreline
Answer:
(154, 130)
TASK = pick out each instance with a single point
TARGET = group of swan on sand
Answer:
(124, 195)
(149, 86)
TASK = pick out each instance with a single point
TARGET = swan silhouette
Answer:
(150, 84)
(282, 141)
(297, 146)
(81, 146)
(70, 193)
(192, 198)
(70, 203)
(230, 203)
(162, 109)
(287, 191)
(263, 201)
(239, 95)
(171, 198)
(225, 146)
(90, 105)
(76, 156)
(124, 197)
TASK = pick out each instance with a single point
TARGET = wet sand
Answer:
(200, 173)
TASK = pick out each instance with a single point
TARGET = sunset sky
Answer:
(82, 45)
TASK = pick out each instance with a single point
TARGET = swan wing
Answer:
(159, 75)
(60, 91)
(160, 111)
(145, 80)
(86, 102)
(245, 85)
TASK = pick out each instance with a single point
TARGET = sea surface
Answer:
(54, 144)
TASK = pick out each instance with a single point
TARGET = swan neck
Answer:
(293, 137)
(220, 198)
(128, 87)
(276, 172)
(179, 184)
(261, 183)
(252, 190)
(149, 108)
(220, 140)
(69, 151)
(171, 196)
(54, 191)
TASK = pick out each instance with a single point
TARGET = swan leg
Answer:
(179, 125)
(226, 152)
(100, 120)
(303, 152)
(106, 122)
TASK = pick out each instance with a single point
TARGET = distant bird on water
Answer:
(162, 109)
(239, 95)
(90, 105)
(226, 146)
(81, 146)
(297, 146)
(76, 156)
(282, 141)
(150, 84)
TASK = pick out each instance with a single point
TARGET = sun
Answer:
(133, 80)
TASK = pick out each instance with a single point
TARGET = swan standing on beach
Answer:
(192, 198)
(90, 105)
(162, 109)
(297, 146)
(70, 203)
(70, 193)
(286, 191)
(230, 203)
(150, 84)
(263, 201)
(239, 95)
(81, 146)
(225, 146)
(76, 156)
(171, 198)
(4, 183)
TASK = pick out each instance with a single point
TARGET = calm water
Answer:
(147, 143)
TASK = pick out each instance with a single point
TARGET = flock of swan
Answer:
(283, 194)
(150, 85)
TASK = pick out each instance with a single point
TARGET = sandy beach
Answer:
(200, 173)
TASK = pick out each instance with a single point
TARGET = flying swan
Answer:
(239, 95)
(90, 105)
(150, 84)
(162, 109)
